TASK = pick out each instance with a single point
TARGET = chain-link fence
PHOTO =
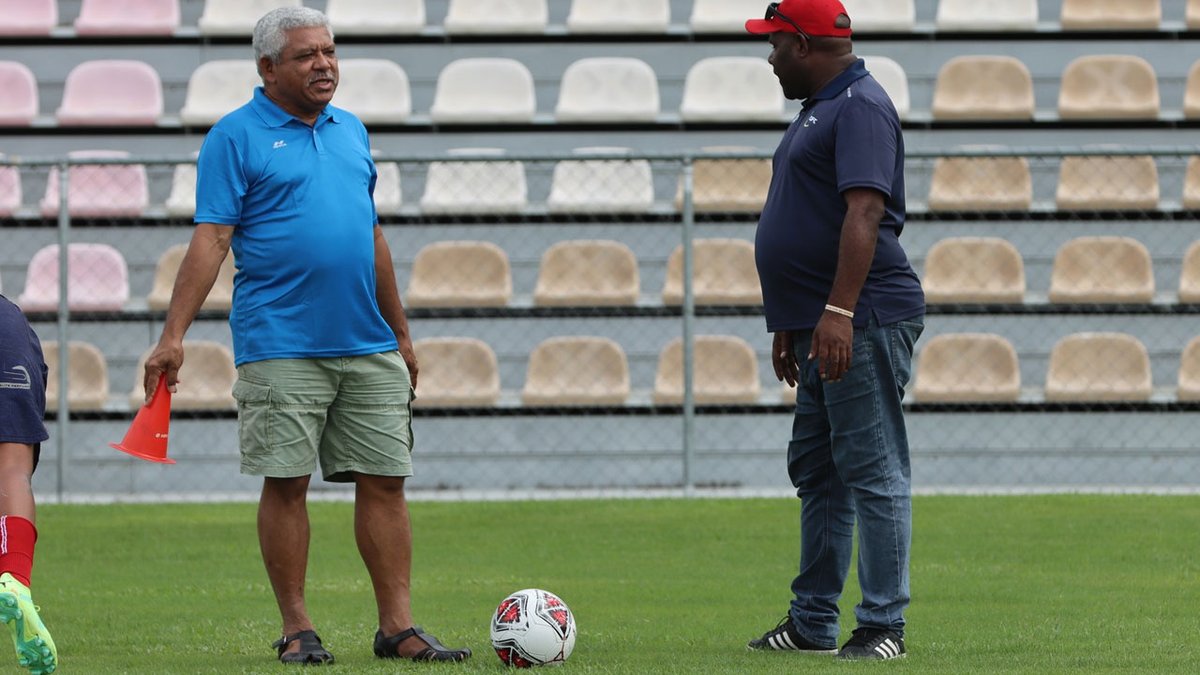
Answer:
(593, 321)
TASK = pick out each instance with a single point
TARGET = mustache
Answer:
(322, 75)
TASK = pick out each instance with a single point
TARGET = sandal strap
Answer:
(311, 649)
(385, 647)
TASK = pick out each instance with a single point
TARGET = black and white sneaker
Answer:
(873, 643)
(784, 638)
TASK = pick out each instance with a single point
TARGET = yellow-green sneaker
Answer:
(35, 648)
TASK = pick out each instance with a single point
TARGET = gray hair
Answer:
(270, 33)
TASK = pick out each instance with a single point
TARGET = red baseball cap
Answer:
(814, 17)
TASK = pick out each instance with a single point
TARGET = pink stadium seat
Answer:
(18, 94)
(10, 190)
(98, 279)
(112, 93)
(99, 190)
(127, 17)
(28, 17)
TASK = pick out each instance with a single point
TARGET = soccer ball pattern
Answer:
(533, 627)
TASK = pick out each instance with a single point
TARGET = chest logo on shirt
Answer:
(811, 120)
(279, 144)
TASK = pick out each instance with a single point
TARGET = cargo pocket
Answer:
(254, 417)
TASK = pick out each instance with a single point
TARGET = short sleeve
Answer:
(221, 182)
(866, 147)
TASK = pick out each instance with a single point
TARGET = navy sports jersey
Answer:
(23, 376)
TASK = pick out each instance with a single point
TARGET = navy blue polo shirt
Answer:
(300, 200)
(846, 136)
(23, 374)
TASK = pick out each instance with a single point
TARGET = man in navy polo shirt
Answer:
(845, 309)
(325, 361)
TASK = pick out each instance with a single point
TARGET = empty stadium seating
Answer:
(1073, 375)
(731, 88)
(475, 186)
(566, 371)
(10, 190)
(459, 274)
(205, 380)
(995, 15)
(619, 16)
(984, 87)
(456, 372)
(1102, 269)
(87, 376)
(127, 17)
(28, 17)
(218, 87)
(1111, 14)
(608, 89)
(967, 368)
(111, 93)
(723, 16)
(237, 17)
(881, 16)
(980, 184)
(1189, 277)
(725, 372)
(587, 272)
(181, 203)
(167, 268)
(1191, 93)
(97, 279)
(18, 94)
(723, 272)
(1189, 372)
(484, 90)
(601, 185)
(1101, 182)
(728, 184)
(376, 17)
(893, 79)
(375, 90)
(99, 190)
(388, 195)
(1192, 14)
(974, 269)
(496, 16)
(1108, 86)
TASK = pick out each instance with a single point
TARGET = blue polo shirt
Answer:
(846, 136)
(300, 200)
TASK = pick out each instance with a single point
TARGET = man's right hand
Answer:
(167, 357)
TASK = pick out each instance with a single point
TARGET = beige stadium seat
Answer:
(475, 186)
(237, 17)
(484, 90)
(601, 185)
(731, 89)
(1109, 87)
(1102, 269)
(1191, 93)
(1189, 372)
(619, 16)
(456, 372)
(983, 88)
(1189, 277)
(219, 298)
(1088, 367)
(460, 274)
(87, 378)
(967, 368)
(181, 203)
(725, 372)
(1192, 14)
(375, 90)
(893, 79)
(1098, 182)
(1111, 14)
(576, 371)
(388, 195)
(608, 89)
(376, 17)
(587, 272)
(974, 270)
(728, 184)
(994, 15)
(205, 380)
(980, 184)
(723, 16)
(1191, 184)
(496, 16)
(881, 16)
(216, 88)
(724, 273)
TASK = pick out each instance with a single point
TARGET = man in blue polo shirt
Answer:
(845, 309)
(325, 361)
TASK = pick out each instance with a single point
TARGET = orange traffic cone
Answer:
(147, 436)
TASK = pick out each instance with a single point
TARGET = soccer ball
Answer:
(533, 628)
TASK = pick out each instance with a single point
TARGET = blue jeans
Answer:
(848, 460)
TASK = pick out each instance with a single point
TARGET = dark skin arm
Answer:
(387, 294)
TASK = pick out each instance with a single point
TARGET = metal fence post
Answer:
(689, 320)
(64, 346)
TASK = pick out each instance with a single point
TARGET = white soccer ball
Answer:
(533, 627)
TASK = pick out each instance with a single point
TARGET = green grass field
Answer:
(1000, 584)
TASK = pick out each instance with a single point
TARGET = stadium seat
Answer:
(456, 372)
(99, 190)
(18, 94)
(587, 273)
(10, 190)
(1189, 275)
(484, 91)
(388, 195)
(87, 376)
(205, 380)
(1111, 14)
(376, 17)
(725, 372)
(496, 16)
(1191, 184)
(181, 202)
(731, 89)
(601, 185)
(111, 93)
(880, 16)
(576, 371)
(127, 17)
(727, 184)
(967, 368)
(724, 273)
(237, 17)
(973, 270)
(219, 298)
(608, 89)
(97, 279)
(724, 16)
(983, 88)
(1119, 183)
(995, 15)
(28, 17)
(460, 274)
(1191, 93)
(980, 184)
(893, 79)
(1091, 367)
(475, 186)
(1189, 372)
(1109, 87)
(216, 88)
(375, 90)
(1102, 269)
(1192, 14)
(619, 16)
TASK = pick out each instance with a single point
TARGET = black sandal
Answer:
(385, 647)
(311, 652)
